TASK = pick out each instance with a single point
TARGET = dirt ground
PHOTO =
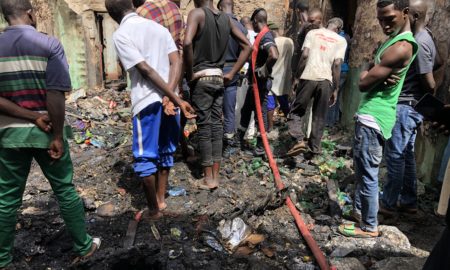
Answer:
(188, 237)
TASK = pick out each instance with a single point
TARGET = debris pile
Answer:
(242, 224)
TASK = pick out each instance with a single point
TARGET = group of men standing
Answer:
(209, 53)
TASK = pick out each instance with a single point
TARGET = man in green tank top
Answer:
(377, 111)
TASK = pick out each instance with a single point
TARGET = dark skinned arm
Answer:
(246, 50)
(56, 106)
(336, 72)
(193, 25)
(174, 78)
(395, 57)
(302, 63)
(273, 57)
(150, 74)
(10, 108)
(428, 83)
(175, 69)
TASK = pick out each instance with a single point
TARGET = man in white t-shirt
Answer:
(149, 54)
(320, 68)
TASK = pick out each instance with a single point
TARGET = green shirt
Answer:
(381, 102)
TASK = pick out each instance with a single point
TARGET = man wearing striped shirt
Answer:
(34, 76)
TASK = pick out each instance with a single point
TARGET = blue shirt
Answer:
(234, 49)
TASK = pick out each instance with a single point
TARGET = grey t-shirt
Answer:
(423, 64)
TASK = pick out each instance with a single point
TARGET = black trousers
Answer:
(440, 255)
(321, 91)
(207, 100)
(250, 106)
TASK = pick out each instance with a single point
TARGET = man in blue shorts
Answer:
(154, 72)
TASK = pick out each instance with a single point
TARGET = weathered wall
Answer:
(429, 149)
(275, 8)
(367, 36)
(68, 29)
(79, 6)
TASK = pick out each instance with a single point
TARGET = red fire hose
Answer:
(320, 257)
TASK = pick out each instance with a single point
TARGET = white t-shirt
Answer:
(324, 46)
(138, 39)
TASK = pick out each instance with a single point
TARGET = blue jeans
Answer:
(367, 154)
(400, 160)
(229, 105)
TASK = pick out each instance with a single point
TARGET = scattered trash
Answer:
(155, 232)
(106, 210)
(175, 232)
(244, 251)
(131, 230)
(237, 236)
(197, 250)
(269, 252)
(210, 239)
(189, 128)
(173, 254)
(177, 191)
(97, 143)
(233, 232)
(75, 95)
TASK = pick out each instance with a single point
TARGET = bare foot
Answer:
(162, 206)
(208, 184)
(212, 183)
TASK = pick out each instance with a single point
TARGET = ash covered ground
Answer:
(188, 237)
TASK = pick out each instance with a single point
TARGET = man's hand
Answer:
(227, 78)
(56, 149)
(441, 127)
(43, 122)
(333, 98)
(392, 80)
(168, 106)
(295, 84)
(262, 72)
(187, 110)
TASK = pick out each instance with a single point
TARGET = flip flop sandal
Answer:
(352, 216)
(350, 230)
(295, 152)
(96, 243)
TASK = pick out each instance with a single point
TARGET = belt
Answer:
(411, 103)
(218, 79)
